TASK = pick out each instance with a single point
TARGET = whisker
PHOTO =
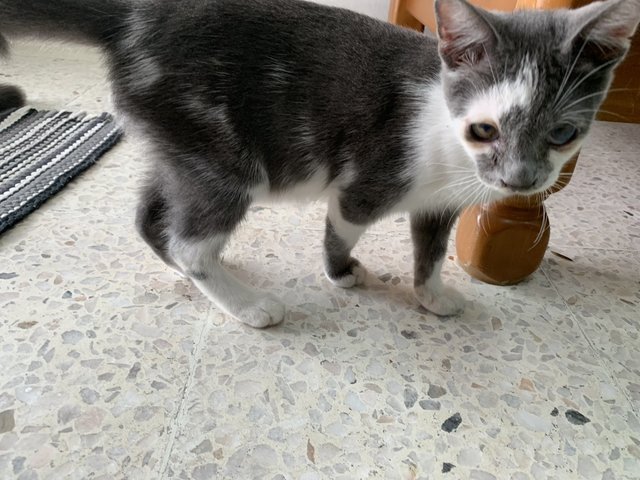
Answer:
(493, 73)
(448, 181)
(579, 82)
(466, 201)
(454, 173)
(582, 99)
(463, 187)
(544, 226)
(473, 197)
(573, 114)
(454, 198)
(485, 218)
(448, 165)
(452, 178)
(568, 73)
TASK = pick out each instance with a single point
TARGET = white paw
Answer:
(444, 302)
(267, 311)
(355, 277)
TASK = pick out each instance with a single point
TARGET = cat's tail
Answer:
(97, 22)
(11, 97)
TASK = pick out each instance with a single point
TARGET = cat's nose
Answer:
(518, 185)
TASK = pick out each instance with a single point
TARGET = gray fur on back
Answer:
(239, 93)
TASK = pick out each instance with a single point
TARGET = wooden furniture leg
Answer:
(503, 243)
(399, 14)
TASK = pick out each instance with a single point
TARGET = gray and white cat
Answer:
(248, 99)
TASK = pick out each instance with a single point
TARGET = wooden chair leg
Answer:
(505, 242)
(399, 15)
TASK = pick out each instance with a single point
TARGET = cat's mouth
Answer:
(522, 180)
(515, 189)
(503, 189)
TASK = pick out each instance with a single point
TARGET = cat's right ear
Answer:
(603, 30)
(465, 35)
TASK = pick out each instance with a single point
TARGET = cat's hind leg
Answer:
(152, 221)
(340, 237)
(200, 260)
(189, 233)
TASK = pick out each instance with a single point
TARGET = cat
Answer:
(248, 99)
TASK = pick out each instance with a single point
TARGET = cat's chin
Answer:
(501, 193)
(495, 193)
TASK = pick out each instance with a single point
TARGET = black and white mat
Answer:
(41, 151)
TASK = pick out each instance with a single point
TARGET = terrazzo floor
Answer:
(112, 367)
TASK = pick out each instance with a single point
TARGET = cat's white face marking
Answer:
(496, 106)
(491, 105)
(442, 174)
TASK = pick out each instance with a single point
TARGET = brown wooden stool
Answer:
(505, 242)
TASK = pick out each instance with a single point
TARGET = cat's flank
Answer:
(247, 99)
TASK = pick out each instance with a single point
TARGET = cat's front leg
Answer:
(340, 237)
(430, 233)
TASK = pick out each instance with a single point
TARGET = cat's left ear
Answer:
(464, 32)
(603, 30)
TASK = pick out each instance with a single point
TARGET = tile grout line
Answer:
(176, 422)
(590, 343)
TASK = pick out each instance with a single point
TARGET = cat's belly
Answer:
(316, 186)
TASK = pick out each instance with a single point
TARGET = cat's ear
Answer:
(465, 34)
(603, 30)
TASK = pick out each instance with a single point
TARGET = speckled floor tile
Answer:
(607, 165)
(613, 137)
(114, 367)
(66, 78)
(602, 290)
(101, 335)
(357, 383)
(601, 206)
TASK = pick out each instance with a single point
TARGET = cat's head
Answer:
(523, 88)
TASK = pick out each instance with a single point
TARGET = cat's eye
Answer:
(563, 134)
(483, 132)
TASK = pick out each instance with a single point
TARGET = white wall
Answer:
(374, 8)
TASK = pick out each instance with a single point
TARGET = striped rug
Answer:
(41, 151)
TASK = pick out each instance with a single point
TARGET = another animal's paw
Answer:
(353, 275)
(444, 302)
(265, 312)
